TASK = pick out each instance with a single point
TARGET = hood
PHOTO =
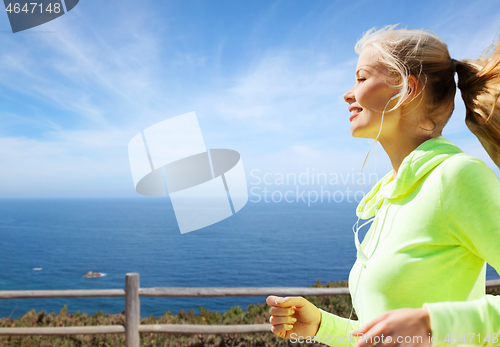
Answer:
(414, 167)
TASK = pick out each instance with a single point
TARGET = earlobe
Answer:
(409, 95)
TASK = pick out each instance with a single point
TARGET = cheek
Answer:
(363, 98)
(372, 97)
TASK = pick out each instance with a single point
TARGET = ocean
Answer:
(51, 243)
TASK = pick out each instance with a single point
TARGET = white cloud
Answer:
(285, 91)
(34, 168)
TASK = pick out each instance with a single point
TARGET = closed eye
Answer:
(361, 79)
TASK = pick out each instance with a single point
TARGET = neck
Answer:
(399, 150)
(406, 136)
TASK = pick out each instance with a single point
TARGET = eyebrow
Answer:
(362, 68)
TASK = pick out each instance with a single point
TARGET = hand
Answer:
(293, 315)
(392, 327)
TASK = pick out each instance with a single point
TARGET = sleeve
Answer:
(470, 203)
(335, 330)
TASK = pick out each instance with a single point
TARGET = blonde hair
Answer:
(422, 54)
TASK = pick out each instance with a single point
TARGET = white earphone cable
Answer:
(360, 253)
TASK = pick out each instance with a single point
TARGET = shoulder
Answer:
(462, 172)
(463, 161)
(461, 164)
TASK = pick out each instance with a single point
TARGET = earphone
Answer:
(360, 254)
(398, 94)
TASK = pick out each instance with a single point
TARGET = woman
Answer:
(420, 274)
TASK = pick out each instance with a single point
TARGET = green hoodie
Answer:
(435, 227)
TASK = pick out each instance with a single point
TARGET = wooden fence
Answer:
(132, 292)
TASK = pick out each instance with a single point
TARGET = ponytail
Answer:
(479, 82)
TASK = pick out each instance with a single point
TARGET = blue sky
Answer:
(265, 78)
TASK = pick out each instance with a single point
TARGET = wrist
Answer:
(319, 315)
(426, 319)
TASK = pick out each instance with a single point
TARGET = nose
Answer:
(349, 96)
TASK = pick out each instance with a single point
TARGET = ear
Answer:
(413, 91)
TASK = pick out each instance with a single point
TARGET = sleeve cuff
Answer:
(434, 318)
(332, 330)
(476, 318)
(326, 324)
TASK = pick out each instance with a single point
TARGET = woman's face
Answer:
(369, 96)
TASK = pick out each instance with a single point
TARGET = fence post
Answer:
(132, 310)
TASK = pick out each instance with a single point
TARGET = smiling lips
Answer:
(354, 111)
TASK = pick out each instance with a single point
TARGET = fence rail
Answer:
(132, 292)
(184, 292)
(38, 294)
